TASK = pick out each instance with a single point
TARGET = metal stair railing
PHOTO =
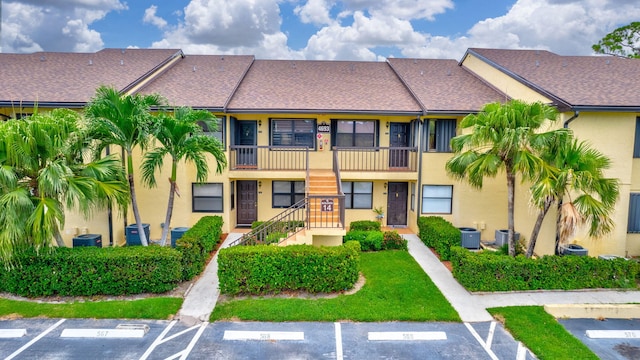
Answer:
(287, 224)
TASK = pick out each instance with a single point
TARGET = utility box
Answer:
(470, 238)
(502, 237)
(176, 233)
(88, 240)
(133, 237)
(573, 249)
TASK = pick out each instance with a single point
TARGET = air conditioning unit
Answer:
(470, 238)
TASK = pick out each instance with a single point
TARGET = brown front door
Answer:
(397, 204)
(247, 202)
(399, 138)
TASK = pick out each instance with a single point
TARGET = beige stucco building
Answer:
(295, 130)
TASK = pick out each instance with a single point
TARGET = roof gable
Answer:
(201, 81)
(444, 86)
(52, 77)
(590, 81)
(322, 86)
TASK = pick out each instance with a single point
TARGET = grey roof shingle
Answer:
(597, 81)
(444, 86)
(322, 86)
(52, 77)
(201, 81)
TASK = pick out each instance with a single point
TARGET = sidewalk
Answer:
(201, 299)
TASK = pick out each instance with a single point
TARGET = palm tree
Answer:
(573, 178)
(504, 137)
(125, 121)
(182, 138)
(42, 172)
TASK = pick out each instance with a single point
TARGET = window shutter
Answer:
(633, 224)
(636, 142)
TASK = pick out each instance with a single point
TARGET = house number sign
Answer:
(326, 205)
(324, 128)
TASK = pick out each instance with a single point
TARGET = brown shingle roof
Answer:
(443, 86)
(201, 81)
(52, 77)
(322, 86)
(597, 81)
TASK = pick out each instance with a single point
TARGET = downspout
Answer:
(420, 158)
(576, 113)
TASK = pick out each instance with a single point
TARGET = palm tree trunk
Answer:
(58, 237)
(558, 224)
(511, 187)
(134, 201)
(536, 227)
(172, 192)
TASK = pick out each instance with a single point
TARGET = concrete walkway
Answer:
(201, 298)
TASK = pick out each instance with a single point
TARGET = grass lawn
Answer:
(396, 289)
(541, 333)
(160, 308)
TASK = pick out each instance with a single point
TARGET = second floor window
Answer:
(218, 132)
(355, 133)
(290, 132)
(441, 132)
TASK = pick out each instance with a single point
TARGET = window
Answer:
(636, 143)
(633, 224)
(440, 134)
(357, 195)
(354, 133)
(293, 132)
(436, 199)
(218, 132)
(287, 193)
(207, 197)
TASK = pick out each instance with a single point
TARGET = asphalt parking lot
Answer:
(122, 339)
(610, 339)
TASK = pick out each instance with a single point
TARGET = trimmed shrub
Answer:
(365, 225)
(197, 243)
(369, 240)
(439, 234)
(488, 271)
(88, 271)
(393, 241)
(262, 269)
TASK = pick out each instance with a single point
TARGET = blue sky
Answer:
(312, 29)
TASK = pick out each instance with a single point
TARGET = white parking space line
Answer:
(12, 333)
(187, 351)
(407, 336)
(479, 339)
(157, 341)
(522, 352)
(263, 335)
(613, 334)
(492, 330)
(26, 346)
(103, 333)
(339, 355)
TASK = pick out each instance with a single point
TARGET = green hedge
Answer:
(486, 271)
(365, 225)
(439, 234)
(197, 243)
(374, 240)
(393, 241)
(264, 269)
(88, 271)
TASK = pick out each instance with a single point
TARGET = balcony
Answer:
(265, 158)
(377, 159)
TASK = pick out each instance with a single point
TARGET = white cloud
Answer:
(315, 12)
(51, 25)
(566, 27)
(150, 17)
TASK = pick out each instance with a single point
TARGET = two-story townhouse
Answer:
(379, 131)
(599, 99)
